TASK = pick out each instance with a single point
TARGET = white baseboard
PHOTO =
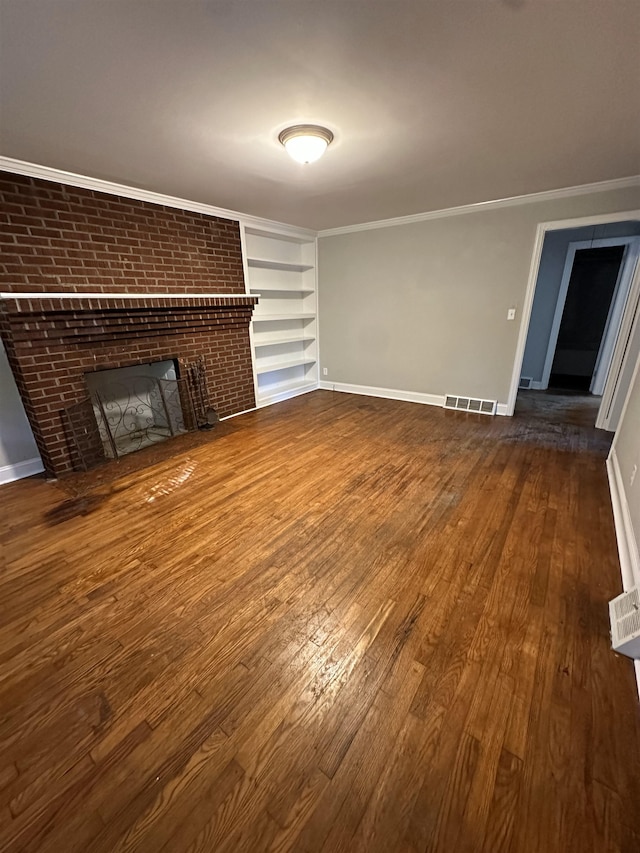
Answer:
(625, 536)
(19, 470)
(386, 393)
(237, 414)
(394, 394)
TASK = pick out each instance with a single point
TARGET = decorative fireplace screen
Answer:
(134, 407)
(136, 413)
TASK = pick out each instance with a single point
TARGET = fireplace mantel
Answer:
(88, 295)
(53, 320)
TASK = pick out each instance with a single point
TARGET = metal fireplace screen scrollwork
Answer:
(136, 413)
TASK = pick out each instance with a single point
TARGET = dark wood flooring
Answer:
(347, 624)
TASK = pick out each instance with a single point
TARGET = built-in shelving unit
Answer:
(281, 270)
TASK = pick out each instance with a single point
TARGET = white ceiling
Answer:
(434, 103)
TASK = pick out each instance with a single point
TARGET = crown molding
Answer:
(47, 173)
(480, 206)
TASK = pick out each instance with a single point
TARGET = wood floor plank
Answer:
(387, 815)
(195, 831)
(347, 798)
(346, 624)
(502, 810)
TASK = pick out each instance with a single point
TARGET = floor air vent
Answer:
(469, 404)
(525, 382)
(624, 614)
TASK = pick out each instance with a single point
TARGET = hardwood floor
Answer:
(348, 624)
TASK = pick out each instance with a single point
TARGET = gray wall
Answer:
(627, 449)
(554, 252)
(422, 307)
(16, 439)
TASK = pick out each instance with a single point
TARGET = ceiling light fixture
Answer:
(305, 142)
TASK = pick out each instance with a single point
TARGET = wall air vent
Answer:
(469, 404)
(624, 615)
(525, 382)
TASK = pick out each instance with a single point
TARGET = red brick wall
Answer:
(59, 238)
(55, 238)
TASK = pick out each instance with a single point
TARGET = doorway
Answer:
(581, 302)
(576, 361)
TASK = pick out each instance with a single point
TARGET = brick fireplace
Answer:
(53, 342)
(92, 282)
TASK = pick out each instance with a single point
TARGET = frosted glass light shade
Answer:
(306, 143)
(306, 149)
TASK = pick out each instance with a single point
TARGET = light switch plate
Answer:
(511, 314)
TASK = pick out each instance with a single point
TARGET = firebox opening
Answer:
(136, 406)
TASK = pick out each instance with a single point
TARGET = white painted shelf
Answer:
(270, 318)
(258, 291)
(265, 264)
(289, 339)
(281, 271)
(283, 365)
(284, 390)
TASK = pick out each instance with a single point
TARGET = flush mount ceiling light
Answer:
(305, 142)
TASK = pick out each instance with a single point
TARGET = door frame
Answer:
(629, 329)
(613, 326)
(525, 317)
(619, 295)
